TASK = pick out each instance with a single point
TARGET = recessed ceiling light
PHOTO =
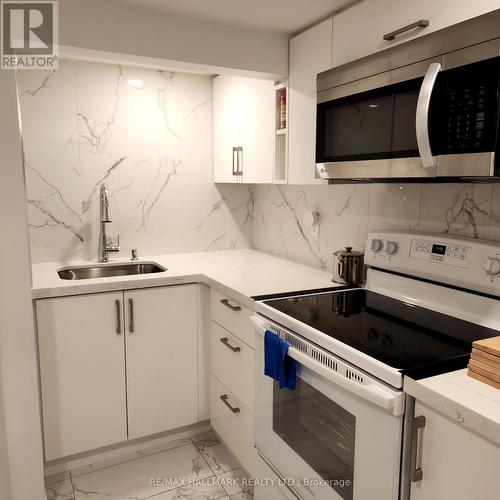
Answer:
(373, 105)
(136, 84)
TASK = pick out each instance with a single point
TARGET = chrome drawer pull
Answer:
(422, 23)
(227, 344)
(416, 473)
(118, 318)
(227, 304)
(131, 315)
(224, 398)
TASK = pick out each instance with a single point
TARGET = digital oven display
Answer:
(439, 249)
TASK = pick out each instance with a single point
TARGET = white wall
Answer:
(21, 461)
(107, 26)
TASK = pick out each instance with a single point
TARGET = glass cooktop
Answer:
(416, 341)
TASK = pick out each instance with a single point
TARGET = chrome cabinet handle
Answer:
(224, 399)
(227, 304)
(240, 161)
(118, 317)
(416, 473)
(422, 119)
(131, 315)
(237, 164)
(422, 23)
(225, 341)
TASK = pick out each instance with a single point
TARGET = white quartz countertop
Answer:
(464, 400)
(239, 273)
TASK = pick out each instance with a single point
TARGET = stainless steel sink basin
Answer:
(109, 270)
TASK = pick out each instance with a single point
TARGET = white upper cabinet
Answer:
(310, 53)
(359, 31)
(162, 359)
(243, 130)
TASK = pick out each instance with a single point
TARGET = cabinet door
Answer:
(358, 31)
(243, 119)
(456, 463)
(162, 353)
(82, 372)
(227, 133)
(310, 53)
(257, 130)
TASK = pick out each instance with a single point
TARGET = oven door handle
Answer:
(422, 117)
(377, 394)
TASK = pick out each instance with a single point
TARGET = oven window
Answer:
(320, 431)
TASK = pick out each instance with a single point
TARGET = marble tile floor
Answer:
(199, 467)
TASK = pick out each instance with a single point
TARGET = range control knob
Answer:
(492, 266)
(376, 245)
(391, 247)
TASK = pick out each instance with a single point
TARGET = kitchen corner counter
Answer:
(464, 400)
(239, 273)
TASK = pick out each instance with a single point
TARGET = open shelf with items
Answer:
(281, 136)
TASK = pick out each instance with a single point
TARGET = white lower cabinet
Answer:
(456, 463)
(233, 421)
(82, 372)
(109, 358)
(233, 362)
(162, 359)
(232, 366)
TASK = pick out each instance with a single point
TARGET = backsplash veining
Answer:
(348, 212)
(148, 135)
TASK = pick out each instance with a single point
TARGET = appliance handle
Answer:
(422, 117)
(373, 392)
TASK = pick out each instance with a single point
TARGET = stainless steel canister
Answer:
(348, 267)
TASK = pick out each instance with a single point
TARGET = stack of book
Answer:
(484, 363)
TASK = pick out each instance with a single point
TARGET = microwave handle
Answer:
(375, 393)
(422, 120)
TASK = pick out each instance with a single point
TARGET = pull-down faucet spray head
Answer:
(104, 204)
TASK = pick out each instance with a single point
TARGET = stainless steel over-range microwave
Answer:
(423, 110)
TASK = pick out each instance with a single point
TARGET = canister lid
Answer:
(348, 252)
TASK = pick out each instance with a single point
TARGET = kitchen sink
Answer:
(109, 270)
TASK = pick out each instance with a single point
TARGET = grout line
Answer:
(128, 460)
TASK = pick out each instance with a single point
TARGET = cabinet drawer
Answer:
(235, 428)
(232, 362)
(232, 316)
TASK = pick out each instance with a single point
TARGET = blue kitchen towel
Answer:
(277, 364)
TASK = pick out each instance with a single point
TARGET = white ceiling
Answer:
(281, 16)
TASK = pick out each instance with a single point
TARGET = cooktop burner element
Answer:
(404, 336)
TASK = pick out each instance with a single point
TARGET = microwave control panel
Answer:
(452, 255)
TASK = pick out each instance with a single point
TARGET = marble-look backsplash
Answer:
(89, 123)
(151, 142)
(348, 212)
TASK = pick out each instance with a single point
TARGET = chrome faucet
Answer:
(105, 245)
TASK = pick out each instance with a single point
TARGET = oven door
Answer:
(338, 435)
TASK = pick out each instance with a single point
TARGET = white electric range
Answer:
(346, 432)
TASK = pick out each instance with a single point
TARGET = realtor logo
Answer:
(29, 34)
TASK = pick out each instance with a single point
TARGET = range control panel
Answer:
(439, 252)
(455, 260)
